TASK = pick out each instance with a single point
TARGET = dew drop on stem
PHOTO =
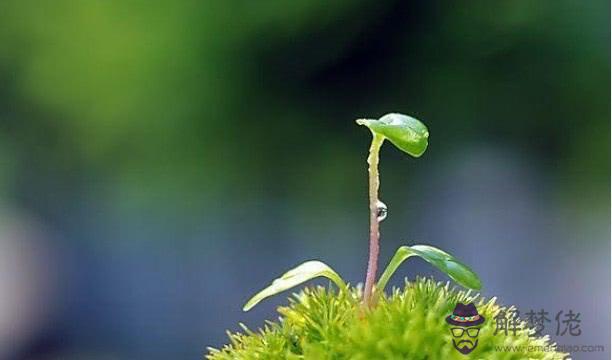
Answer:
(381, 211)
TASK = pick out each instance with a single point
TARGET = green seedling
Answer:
(356, 322)
(410, 136)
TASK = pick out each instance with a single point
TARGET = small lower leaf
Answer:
(445, 262)
(300, 274)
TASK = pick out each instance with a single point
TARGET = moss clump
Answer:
(321, 324)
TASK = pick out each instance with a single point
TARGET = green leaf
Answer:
(447, 263)
(406, 133)
(300, 274)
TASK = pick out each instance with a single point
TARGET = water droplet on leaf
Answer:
(381, 211)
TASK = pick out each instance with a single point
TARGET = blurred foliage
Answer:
(178, 101)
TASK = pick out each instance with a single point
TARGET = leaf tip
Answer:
(249, 305)
(364, 122)
(477, 284)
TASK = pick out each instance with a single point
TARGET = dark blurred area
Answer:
(161, 162)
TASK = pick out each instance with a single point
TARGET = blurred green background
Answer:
(160, 162)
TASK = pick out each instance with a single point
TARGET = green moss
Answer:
(322, 323)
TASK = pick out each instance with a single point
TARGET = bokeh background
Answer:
(162, 161)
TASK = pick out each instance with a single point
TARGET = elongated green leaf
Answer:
(447, 263)
(300, 274)
(406, 133)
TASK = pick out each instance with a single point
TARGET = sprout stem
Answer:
(374, 183)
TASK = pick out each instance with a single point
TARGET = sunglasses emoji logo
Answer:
(465, 326)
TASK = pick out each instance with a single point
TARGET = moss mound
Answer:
(321, 324)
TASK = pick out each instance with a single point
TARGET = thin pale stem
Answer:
(374, 184)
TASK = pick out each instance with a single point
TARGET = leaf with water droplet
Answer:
(405, 132)
(381, 211)
(300, 274)
(445, 262)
